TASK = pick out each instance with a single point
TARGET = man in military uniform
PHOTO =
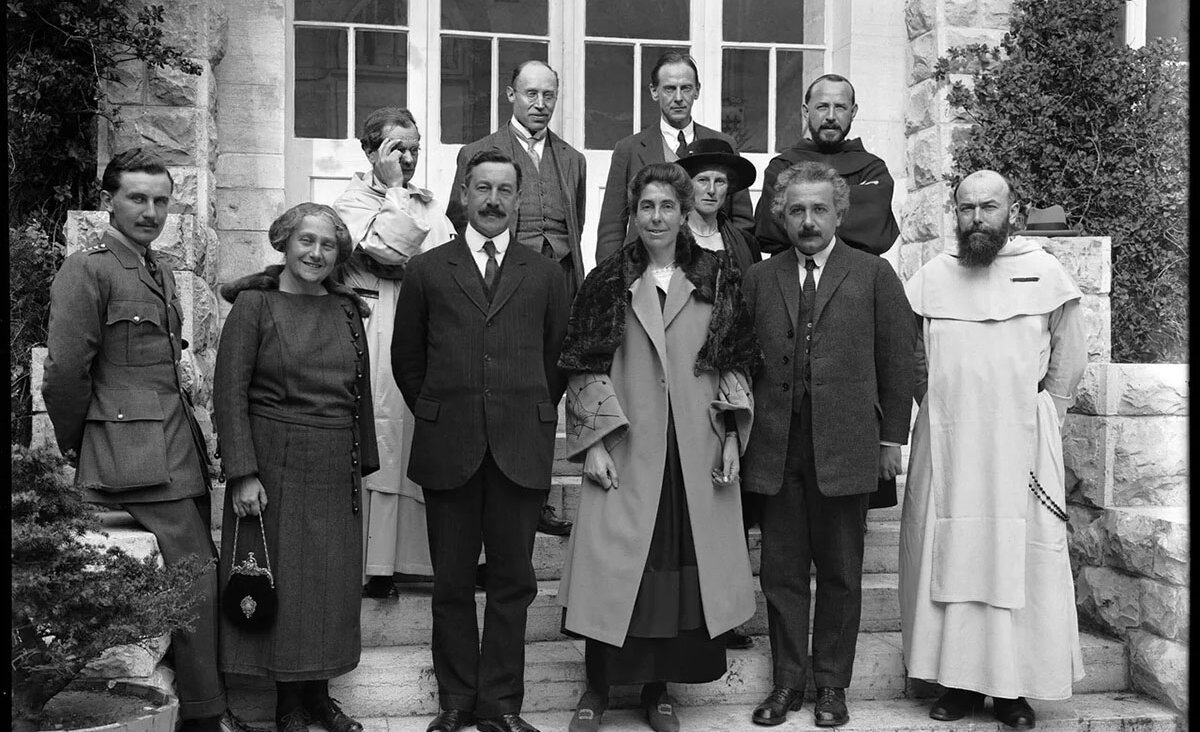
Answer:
(113, 392)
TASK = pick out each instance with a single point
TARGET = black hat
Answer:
(1049, 221)
(707, 152)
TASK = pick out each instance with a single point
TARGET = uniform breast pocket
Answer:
(135, 334)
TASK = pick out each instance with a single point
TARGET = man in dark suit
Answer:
(120, 415)
(550, 216)
(836, 388)
(675, 85)
(479, 326)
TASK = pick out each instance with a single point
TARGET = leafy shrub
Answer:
(33, 258)
(71, 600)
(1073, 116)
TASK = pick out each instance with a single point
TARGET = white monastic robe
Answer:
(390, 225)
(986, 594)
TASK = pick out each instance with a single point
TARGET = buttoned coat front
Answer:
(111, 380)
(609, 545)
(572, 177)
(862, 359)
(480, 375)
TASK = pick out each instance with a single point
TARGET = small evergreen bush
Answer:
(72, 600)
(1073, 116)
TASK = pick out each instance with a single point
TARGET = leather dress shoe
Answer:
(830, 709)
(550, 523)
(660, 714)
(774, 709)
(1015, 713)
(451, 720)
(329, 715)
(505, 723)
(588, 712)
(294, 721)
(229, 722)
(379, 586)
(955, 704)
(737, 640)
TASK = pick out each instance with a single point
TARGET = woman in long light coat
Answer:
(658, 409)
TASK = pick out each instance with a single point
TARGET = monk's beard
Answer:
(978, 247)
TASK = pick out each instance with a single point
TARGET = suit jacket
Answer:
(862, 368)
(572, 176)
(111, 380)
(480, 375)
(631, 155)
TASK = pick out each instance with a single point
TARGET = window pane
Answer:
(320, 83)
(466, 89)
(795, 70)
(650, 109)
(380, 72)
(774, 21)
(744, 80)
(638, 19)
(511, 54)
(496, 16)
(382, 12)
(608, 81)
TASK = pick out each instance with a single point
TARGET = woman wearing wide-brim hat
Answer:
(718, 172)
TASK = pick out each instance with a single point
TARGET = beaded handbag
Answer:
(249, 600)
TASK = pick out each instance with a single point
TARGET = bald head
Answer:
(985, 213)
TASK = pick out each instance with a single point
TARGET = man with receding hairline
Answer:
(869, 224)
(549, 217)
(987, 601)
(675, 85)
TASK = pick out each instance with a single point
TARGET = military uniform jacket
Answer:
(111, 382)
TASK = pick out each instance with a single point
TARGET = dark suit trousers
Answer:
(802, 527)
(492, 512)
(182, 528)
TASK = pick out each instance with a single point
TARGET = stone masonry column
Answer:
(931, 128)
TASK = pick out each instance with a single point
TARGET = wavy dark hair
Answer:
(680, 182)
(283, 227)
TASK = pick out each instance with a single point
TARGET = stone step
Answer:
(407, 618)
(1102, 712)
(398, 681)
(880, 555)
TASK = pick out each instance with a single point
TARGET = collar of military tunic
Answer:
(137, 249)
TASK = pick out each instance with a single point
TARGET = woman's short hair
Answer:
(666, 173)
(810, 171)
(372, 133)
(283, 227)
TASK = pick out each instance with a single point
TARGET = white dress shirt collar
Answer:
(475, 242)
(820, 258)
(670, 134)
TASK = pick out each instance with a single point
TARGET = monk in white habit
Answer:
(986, 596)
(391, 220)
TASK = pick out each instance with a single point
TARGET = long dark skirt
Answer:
(315, 543)
(667, 638)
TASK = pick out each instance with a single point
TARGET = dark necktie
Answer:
(808, 296)
(682, 145)
(152, 267)
(492, 268)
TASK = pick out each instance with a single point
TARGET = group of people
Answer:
(386, 402)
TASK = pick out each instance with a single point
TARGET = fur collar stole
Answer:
(597, 324)
(268, 279)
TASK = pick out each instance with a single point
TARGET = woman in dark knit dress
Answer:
(296, 433)
(657, 409)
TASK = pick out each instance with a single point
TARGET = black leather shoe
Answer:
(738, 641)
(588, 712)
(229, 722)
(1015, 713)
(379, 586)
(550, 523)
(451, 720)
(955, 704)
(660, 712)
(830, 710)
(294, 721)
(505, 723)
(327, 712)
(774, 709)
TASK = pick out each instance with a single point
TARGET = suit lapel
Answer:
(649, 314)
(512, 272)
(836, 269)
(788, 276)
(651, 151)
(678, 293)
(466, 274)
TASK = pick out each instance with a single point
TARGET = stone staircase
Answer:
(394, 688)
